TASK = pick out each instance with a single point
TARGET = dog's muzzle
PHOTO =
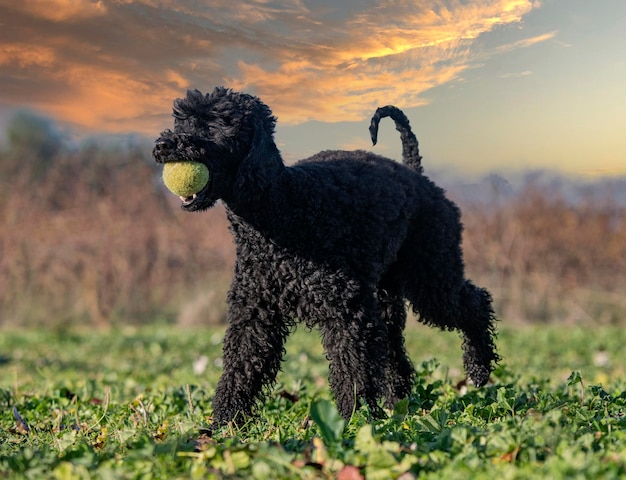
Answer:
(163, 148)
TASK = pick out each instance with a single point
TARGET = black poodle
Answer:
(337, 241)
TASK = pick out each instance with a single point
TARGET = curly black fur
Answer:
(337, 241)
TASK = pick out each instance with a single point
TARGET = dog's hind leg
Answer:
(469, 310)
(400, 372)
(478, 327)
(432, 275)
(465, 308)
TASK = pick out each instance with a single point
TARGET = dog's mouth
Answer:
(169, 150)
(188, 200)
(198, 201)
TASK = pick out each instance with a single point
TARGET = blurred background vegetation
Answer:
(89, 236)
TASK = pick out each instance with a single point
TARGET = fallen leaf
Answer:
(350, 472)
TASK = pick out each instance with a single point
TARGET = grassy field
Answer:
(128, 404)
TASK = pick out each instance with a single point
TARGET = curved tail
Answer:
(410, 149)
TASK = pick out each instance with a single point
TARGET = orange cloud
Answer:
(62, 10)
(391, 53)
(23, 56)
(298, 95)
(90, 96)
(175, 78)
(111, 101)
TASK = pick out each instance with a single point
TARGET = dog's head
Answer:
(229, 132)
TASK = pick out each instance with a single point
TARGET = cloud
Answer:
(525, 73)
(389, 53)
(61, 10)
(525, 42)
(117, 65)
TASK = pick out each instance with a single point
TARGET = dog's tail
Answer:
(410, 146)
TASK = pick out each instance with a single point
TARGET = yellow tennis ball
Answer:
(185, 178)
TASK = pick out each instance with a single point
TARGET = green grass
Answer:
(127, 404)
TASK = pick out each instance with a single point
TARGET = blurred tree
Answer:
(33, 143)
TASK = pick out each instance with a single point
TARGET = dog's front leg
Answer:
(253, 350)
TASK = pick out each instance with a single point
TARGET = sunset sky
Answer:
(489, 85)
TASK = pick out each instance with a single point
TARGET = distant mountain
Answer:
(496, 188)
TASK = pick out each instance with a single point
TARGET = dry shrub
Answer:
(549, 259)
(98, 240)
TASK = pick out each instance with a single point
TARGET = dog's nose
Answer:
(164, 144)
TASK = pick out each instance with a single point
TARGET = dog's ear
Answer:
(263, 161)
